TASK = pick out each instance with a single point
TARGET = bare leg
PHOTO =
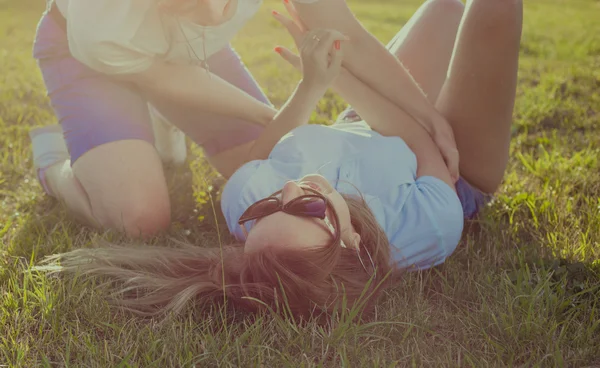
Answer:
(390, 79)
(424, 46)
(118, 185)
(479, 94)
(425, 43)
(116, 181)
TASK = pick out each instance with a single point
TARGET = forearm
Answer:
(193, 86)
(388, 119)
(294, 113)
(370, 62)
(381, 114)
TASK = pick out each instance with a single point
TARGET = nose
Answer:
(290, 191)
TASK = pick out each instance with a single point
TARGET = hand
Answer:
(305, 40)
(321, 57)
(443, 136)
(298, 32)
(295, 26)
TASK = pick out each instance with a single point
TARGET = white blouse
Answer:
(127, 36)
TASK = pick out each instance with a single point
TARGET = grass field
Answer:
(523, 290)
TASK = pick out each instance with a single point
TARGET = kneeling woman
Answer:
(326, 212)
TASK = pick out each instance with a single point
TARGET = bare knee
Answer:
(446, 7)
(125, 186)
(498, 13)
(143, 216)
(140, 212)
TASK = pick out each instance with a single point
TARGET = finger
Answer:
(314, 38)
(326, 42)
(289, 56)
(453, 165)
(337, 56)
(456, 168)
(310, 42)
(294, 14)
(291, 27)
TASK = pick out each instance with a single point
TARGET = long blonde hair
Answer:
(156, 280)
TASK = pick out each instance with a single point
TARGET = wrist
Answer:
(439, 124)
(433, 124)
(311, 90)
(338, 82)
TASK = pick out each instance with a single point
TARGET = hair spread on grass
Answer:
(153, 280)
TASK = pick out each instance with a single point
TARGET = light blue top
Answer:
(423, 218)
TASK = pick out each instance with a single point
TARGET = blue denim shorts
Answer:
(95, 109)
(471, 198)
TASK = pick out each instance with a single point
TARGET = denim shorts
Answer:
(471, 198)
(95, 109)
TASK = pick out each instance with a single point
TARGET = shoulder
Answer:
(251, 182)
(426, 226)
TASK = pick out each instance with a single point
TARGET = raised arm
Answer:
(390, 79)
(107, 48)
(193, 86)
(364, 51)
(382, 115)
(321, 63)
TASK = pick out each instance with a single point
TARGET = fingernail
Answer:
(275, 12)
(337, 45)
(278, 49)
(286, 1)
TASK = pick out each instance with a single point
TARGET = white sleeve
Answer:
(100, 34)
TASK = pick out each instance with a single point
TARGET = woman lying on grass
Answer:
(334, 209)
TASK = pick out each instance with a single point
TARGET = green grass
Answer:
(521, 290)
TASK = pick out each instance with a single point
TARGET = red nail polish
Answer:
(286, 1)
(275, 12)
(337, 45)
(278, 49)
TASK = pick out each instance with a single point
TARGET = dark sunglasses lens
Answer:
(307, 206)
(261, 209)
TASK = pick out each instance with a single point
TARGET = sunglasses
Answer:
(309, 205)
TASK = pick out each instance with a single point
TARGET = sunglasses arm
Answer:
(244, 231)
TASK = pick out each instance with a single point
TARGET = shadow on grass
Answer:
(527, 263)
